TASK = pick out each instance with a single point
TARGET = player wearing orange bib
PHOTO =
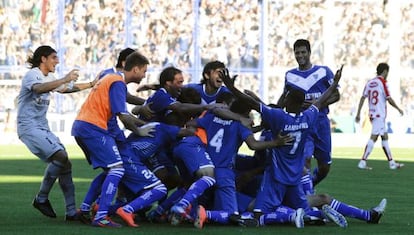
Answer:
(90, 129)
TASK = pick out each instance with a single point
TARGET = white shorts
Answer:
(41, 143)
(378, 126)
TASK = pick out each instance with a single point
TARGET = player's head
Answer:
(294, 99)
(136, 63)
(211, 75)
(172, 79)
(135, 59)
(302, 51)
(383, 69)
(168, 74)
(122, 57)
(43, 51)
(240, 107)
(225, 98)
(189, 95)
(302, 42)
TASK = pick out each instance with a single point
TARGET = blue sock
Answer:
(281, 216)
(171, 200)
(93, 192)
(196, 189)
(221, 217)
(350, 211)
(307, 184)
(146, 199)
(315, 213)
(109, 188)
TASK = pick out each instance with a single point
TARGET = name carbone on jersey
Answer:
(296, 127)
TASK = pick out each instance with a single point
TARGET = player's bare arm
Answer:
(358, 114)
(53, 85)
(224, 75)
(323, 100)
(393, 104)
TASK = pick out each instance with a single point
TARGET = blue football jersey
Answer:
(288, 161)
(205, 98)
(224, 138)
(159, 102)
(314, 81)
(108, 71)
(163, 137)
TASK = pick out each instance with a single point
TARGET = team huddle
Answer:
(181, 162)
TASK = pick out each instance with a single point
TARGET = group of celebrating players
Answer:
(180, 162)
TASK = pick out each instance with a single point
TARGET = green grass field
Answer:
(21, 173)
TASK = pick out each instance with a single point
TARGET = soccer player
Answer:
(211, 85)
(313, 80)
(376, 90)
(138, 177)
(90, 129)
(163, 102)
(33, 128)
(119, 67)
(131, 99)
(192, 160)
(281, 181)
(224, 137)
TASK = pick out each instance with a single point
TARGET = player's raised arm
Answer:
(325, 98)
(229, 82)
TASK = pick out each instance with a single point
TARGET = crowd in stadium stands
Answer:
(94, 33)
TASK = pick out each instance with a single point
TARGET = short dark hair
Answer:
(168, 74)
(302, 42)
(294, 96)
(189, 95)
(239, 106)
(225, 97)
(213, 65)
(135, 59)
(122, 56)
(381, 67)
(36, 59)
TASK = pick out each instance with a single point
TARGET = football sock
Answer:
(368, 149)
(68, 189)
(386, 149)
(350, 211)
(307, 184)
(195, 190)
(171, 200)
(221, 217)
(146, 199)
(315, 213)
(109, 188)
(93, 192)
(280, 216)
(52, 172)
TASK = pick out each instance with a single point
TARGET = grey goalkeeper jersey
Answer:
(32, 107)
